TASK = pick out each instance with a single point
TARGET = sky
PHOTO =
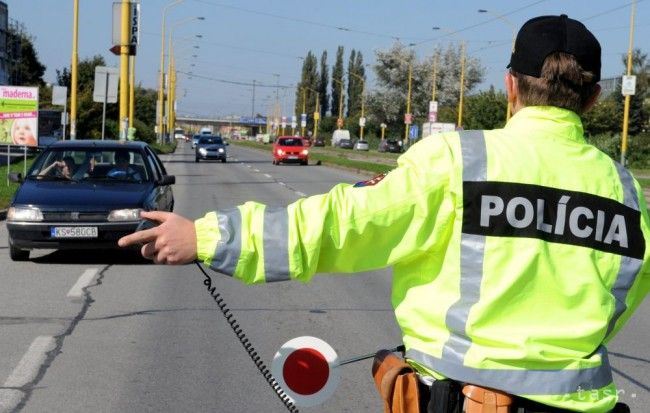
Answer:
(263, 41)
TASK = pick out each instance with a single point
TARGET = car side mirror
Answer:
(16, 177)
(167, 180)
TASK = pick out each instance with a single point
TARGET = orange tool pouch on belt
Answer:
(484, 400)
(396, 382)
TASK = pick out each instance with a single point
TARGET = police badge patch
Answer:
(371, 182)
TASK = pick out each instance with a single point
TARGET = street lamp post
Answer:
(161, 83)
(171, 81)
(408, 118)
(316, 109)
(339, 121)
(626, 107)
(434, 77)
(513, 28)
(124, 68)
(74, 71)
(408, 106)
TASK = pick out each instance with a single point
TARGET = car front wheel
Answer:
(196, 159)
(16, 254)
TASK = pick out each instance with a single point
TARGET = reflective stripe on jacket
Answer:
(517, 253)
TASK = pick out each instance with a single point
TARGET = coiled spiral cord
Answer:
(286, 400)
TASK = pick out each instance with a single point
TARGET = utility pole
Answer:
(124, 69)
(74, 70)
(626, 107)
(253, 105)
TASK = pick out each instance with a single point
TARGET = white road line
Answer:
(268, 176)
(25, 372)
(301, 194)
(282, 183)
(76, 293)
(256, 170)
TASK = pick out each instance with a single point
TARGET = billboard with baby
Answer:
(19, 115)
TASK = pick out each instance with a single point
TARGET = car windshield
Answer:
(78, 164)
(290, 142)
(210, 140)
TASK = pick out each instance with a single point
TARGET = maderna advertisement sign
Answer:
(19, 115)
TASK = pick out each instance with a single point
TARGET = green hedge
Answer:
(638, 148)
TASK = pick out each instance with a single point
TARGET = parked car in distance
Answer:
(338, 135)
(210, 147)
(345, 144)
(85, 194)
(361, 145)
(290, 149)
(390, 145)
(319, 141)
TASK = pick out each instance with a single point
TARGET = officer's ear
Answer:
(510, 81)
(593, 99)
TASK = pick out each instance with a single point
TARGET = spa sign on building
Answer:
(19, 115)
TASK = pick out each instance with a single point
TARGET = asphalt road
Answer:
(147, 338)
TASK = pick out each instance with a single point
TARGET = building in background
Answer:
(4, 43)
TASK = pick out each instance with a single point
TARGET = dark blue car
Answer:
(85, 194)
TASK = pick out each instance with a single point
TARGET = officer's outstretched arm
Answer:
(348, 229)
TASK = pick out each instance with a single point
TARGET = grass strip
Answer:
(7, 189)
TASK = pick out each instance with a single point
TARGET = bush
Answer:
(638, 148)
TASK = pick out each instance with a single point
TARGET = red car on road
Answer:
(290, 149)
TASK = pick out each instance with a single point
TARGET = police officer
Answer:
(518, 253)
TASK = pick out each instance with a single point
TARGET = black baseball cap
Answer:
(541, 36)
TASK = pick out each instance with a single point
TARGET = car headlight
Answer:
(280, 152)
(132, 214)
(24, 214)
(203, 151)
(221, 150)
(305, 152)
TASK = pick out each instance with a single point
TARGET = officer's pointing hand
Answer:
(173, 241)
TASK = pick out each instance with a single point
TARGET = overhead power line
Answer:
(299, 20)
(234, 82)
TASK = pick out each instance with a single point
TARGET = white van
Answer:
(206, 130)
(339, 134)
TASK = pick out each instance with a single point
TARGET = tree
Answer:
(26, 70)
(356, 81)
(322, 85)
(337, 88)
(89, 113)
(604, 118)
(308, 83)
(485, 110)
(388, 103)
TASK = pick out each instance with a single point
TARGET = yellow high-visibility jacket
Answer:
(517, 253)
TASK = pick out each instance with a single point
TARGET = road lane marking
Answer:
(282, 183)
(301, 194)
(25, 372)
(76, 293)
(256, 170)
(268, 176)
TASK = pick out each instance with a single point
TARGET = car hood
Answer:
(89, 195)
(291, 148)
